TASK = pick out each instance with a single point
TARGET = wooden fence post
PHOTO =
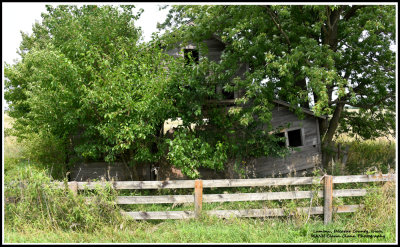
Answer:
(73, 186)
(198, 197)
(328, 198)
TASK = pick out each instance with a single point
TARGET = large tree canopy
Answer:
(85, 78)
(324, 57)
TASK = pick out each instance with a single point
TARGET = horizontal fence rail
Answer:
(228, 183)
(328, 193)
(258, 182)
(237, 197)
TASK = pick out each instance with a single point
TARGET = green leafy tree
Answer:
(85, 78)
(319, 57)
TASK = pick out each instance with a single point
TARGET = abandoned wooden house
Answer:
(302, 134)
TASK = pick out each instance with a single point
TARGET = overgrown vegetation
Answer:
(86, 87)
(373, 156)
(40, 213)
(301, 50)
(36, 202)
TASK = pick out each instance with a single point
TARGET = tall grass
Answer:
(370, 155)
(35, 201)
(42, 149)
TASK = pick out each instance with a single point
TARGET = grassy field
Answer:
(45, 215)
(210, 230)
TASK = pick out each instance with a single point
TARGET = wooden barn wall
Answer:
(308, 156)
(117, 171)
(214, 47)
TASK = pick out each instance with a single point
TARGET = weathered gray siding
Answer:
(308, 155)
(214, 48)
(99, 170)
(107, 171)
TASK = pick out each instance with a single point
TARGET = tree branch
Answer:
(276, 22)
(380, 101)
(352, 11)
(339, 11)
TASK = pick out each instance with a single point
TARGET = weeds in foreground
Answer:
(58, 216)
(37, 202)
(379, 208)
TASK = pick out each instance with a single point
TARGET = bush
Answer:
(34, 201)
(47, 150)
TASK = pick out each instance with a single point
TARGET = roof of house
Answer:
(305, 110)
(231, 102)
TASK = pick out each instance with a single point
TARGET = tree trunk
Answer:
(329, 37)
(327, 144)
(333, 123)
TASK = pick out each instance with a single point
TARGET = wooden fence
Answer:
(199, 198)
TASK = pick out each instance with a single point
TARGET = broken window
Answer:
(295, 138)
(191, 55)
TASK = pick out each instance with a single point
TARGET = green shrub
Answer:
(47, 151)
(36, 202)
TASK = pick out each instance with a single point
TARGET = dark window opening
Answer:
(281, 143)
(191, 55)
(294, 137)
(228, 95)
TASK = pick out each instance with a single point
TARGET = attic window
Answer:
(295, 139)
(228, 95)
(191, 55)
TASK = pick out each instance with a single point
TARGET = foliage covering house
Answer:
(300, 133)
